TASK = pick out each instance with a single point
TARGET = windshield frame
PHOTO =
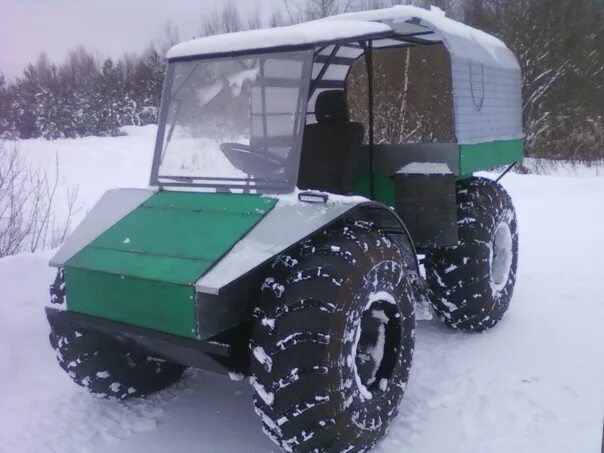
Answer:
(226, 184)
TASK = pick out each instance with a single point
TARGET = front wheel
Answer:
(109, 368)
(105, 366)
(332, 341)
(472, 283)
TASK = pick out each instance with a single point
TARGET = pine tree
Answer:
(7, 115)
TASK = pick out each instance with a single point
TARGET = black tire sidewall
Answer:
(109, 368)
(375, 413)
(465, 297)
(378, 267)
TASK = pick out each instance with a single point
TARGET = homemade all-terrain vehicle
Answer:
(280, 241)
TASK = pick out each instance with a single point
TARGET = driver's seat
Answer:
(331, 147)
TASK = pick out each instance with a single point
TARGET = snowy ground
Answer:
(533, 384)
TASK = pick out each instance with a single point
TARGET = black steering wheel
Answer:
(252, 161)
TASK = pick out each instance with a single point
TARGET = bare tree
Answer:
(171, 36)
(227, 20)
(315, 9)
(278, 19)
(304, 10)
(27, 206)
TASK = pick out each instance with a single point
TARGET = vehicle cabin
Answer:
(265, 111)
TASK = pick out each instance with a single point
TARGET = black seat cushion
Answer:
(331, 147)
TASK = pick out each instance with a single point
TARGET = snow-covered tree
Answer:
(7, 115)
(560, 47)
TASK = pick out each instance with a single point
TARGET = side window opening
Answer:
(413, 98)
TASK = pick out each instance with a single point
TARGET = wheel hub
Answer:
(378, 343)
(501, 256)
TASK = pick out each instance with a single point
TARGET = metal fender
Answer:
(286, 224)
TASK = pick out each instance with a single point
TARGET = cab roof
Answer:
(300, 36)
(389, 27)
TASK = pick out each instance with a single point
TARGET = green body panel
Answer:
(157, 305)
(484, 156)
(171, 269)
(141, 271)
(383, 188)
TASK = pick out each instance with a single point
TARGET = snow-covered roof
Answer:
(459, 39)
(485, 75)
(302, 35)
(402, 21)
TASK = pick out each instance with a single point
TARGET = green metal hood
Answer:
(142, 270)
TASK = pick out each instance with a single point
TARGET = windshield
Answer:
(233, 123)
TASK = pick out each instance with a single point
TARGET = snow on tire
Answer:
(332, 341)
(107, 367)
(472, 283)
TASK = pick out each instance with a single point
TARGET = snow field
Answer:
(532, 384)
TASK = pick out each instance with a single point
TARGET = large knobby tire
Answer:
(472, 283)
(332, 341)
(109, 368)
(105, 366)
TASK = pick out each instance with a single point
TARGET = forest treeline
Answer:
(82, 96)
(559, 44)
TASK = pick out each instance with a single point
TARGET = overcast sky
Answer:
(109, 27)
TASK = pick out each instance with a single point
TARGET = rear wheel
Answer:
(472, 283)
(332, 341)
